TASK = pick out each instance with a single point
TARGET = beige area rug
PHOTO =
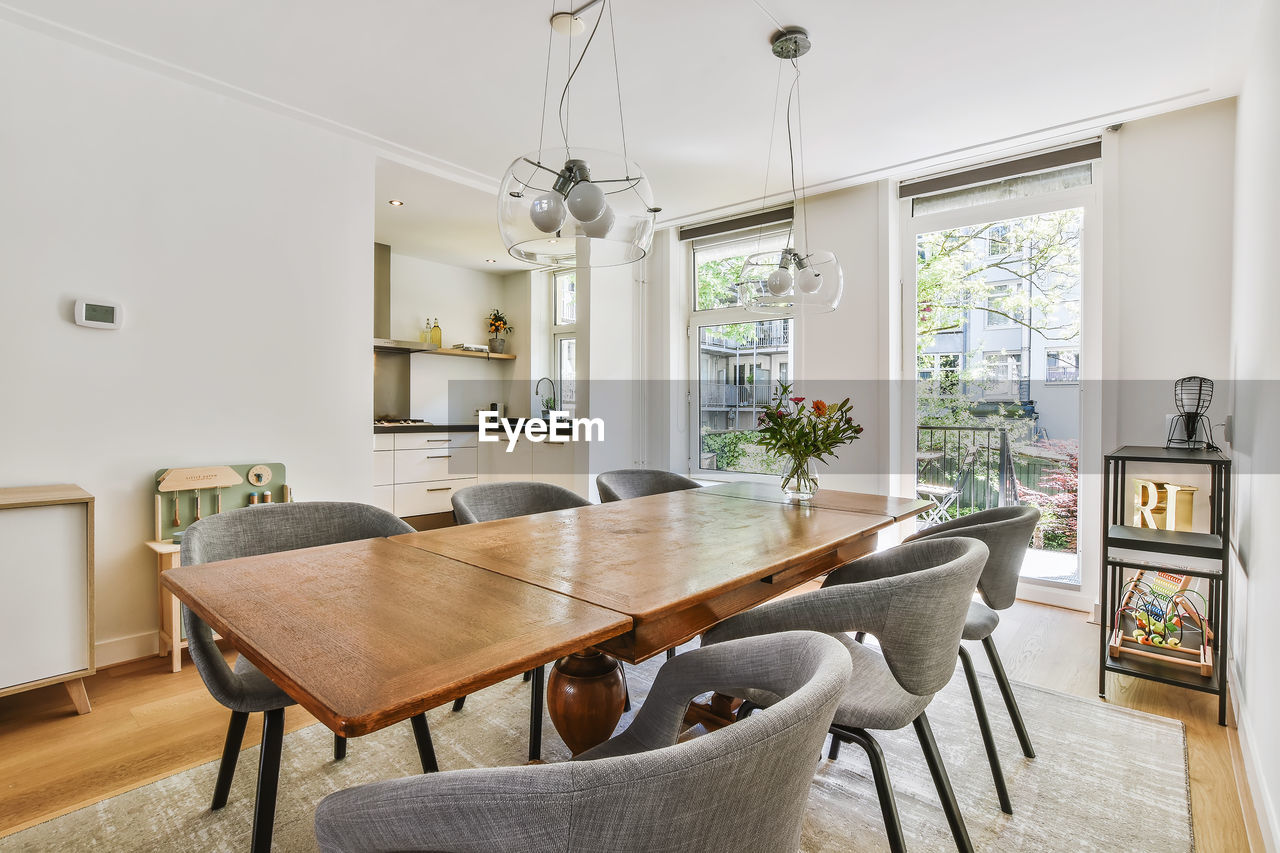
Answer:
(1105, 778)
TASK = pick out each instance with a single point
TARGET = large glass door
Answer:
(997, 277)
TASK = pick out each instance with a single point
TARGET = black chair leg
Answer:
(528, 675)
(426, 751)
(230, 754)
(339, 747)
(671, 653)
(879, 772)
(264, 809)
(940, 781)
(997, 667)
(860, 636)
(535, 714)
(834, 751)
(984, 725)
(458, 703)
(745, 709)
(626, 689)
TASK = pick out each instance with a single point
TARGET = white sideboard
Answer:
(46, 574)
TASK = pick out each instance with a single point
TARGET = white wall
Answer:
(240, 244)
(1255, 352)
(1168, 268)
(460, 299)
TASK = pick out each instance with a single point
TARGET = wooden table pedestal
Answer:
(586, 692)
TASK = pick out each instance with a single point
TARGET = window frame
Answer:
(562, 332)
(1058, 351)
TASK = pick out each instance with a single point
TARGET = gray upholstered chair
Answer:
(245, 689)
(639, 482)
(913, 599)
(1006, 532)
(743, 787)
(496, 501)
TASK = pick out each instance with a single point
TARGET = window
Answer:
(1002, 375)
(998, 240)
(566, 350)
(746, 356)
(564, 337)
(940, 371)
(717, 264)
(566, 301)
(1003, 308)
(1061, 366)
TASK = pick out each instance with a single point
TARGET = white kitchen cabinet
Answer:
(416, 473)
(384, 467)
(433, 440)
(444, 463)
(46, 572)
(428, 497)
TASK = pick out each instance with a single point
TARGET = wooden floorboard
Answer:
(148, 723)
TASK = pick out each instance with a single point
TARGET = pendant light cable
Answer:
(768, 160)
(791, 155)
(617, 83)
(546, 86)
(564, 93)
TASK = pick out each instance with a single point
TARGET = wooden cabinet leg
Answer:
(80, 696)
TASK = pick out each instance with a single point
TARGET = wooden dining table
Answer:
(365, 634)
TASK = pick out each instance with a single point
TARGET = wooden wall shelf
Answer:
(414, 348)
(492, 356)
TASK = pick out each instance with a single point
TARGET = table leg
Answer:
(719, 712)
(585, 694)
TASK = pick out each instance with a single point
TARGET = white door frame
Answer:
(1089, 505)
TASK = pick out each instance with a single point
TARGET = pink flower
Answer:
(797, 400)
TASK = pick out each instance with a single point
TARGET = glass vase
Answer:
(800, 480)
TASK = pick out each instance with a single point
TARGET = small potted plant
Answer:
(498, 326)
(803, 436)
(548, 406)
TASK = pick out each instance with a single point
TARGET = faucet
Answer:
(537, 392)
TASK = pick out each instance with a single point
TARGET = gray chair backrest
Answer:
(639, 482)
(1006, 531)
(743, 787)
(492, 501)
(267, 529)
(913, 598)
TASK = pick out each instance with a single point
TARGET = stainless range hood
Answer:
(382, 340)
(390, 375)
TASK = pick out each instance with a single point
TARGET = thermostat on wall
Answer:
(99, 315)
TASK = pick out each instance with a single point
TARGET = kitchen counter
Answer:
(472, 427)
(378, 428)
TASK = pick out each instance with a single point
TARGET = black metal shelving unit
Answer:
(1153, 544)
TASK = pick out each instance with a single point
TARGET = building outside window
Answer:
(741, 356)
(1061, 366)
(940, 372)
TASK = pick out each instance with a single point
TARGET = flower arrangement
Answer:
(498, 324)
(803, 435)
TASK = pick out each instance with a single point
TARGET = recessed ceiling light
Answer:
(490, 260)
(395, 202)
(553, 241)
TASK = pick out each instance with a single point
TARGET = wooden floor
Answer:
(148, 723)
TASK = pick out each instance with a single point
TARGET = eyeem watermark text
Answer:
(560, 427)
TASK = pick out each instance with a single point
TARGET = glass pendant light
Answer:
(568, 205)
(794, 280)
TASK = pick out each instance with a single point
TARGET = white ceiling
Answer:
(456, 88)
